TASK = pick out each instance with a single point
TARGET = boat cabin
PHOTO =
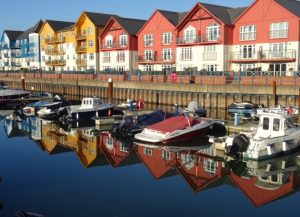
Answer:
(274, 125)
(90, 102)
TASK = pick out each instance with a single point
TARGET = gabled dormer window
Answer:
(190, 34)
(109, 41)
(213, 32)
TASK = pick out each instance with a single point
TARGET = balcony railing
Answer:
(114, 45)
(54, 52)
(56, 62)
(55, 40)
(81, 49)
(209, 56)
(261, 56)
(156, 59)
(199, 39)
(81, 37)
(81, 62)
(106, 59)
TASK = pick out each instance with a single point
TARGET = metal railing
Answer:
(199, 39)
(263, 55)
(115, 45)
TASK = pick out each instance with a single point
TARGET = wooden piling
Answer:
(110, 92)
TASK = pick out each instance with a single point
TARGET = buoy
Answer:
(109, 112)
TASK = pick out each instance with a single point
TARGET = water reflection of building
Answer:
(87, 149)
(13, 126)
(36, 128)
(267, 181)
(116, 153)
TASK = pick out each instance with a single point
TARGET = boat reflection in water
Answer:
(197, 162)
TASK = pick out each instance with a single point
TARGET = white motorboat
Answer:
(91, 107)
(276, 134)
(174, 129)
(290, 110)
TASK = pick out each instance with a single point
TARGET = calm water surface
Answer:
(84, 172)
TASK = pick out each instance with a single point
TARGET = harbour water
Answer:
(73, 172)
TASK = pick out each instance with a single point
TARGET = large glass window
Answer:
(266, 123)
(148, 40)
(248, 51)
(148, 55)
(247, 33)
(109, 41)
(167, 38)
(279, 30)
(166, 54)
(186, 53)
(213, 32)
(190, 35)
(123, 40)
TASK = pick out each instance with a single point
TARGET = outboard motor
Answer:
(240, 144)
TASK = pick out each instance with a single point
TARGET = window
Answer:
(247, 67)
(91, 43)
(167, 38)
(147, 151)
(121, 56)
(91, 56)
(190, 35)
(278, 30)
(149, 68)
(266, 123)
(90, 30)
(247, 33)
(213, 32)
(211, 67)
(209, 53)
(148, 55)
(248, 51)
(83, 32)
(166, 54)
(148, 40)
(106, 57)
(123, 40)
(210, 166)
(186, 53)
(121, 68)
(276, 124)
(278, 49)
(165, 155)
(109, 41)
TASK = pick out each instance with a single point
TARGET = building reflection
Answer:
(197, 163)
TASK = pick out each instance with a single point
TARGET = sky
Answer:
(23, 14)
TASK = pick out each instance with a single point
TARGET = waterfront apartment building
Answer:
(10, 50)
(29, 42)
(119, 44)
(266, 37)
(57, 46)
(157, 41)
(87, 30)
(204, 37)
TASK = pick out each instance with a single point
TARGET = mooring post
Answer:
(157, 99)
(110, 90)
(22, 82)
(275, 94)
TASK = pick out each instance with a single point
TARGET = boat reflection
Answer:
(197, 162)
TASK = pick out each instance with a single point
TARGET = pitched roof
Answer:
(291, 5)
(12, 34)
(173, 17)
(35, 29)
(68, 28)
(221, 12)
(58, 25)
(234, 13)
(99, 19)
(132, 26)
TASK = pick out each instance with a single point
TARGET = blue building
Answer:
(10, 50)
(29, 58)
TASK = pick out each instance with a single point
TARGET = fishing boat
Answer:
(33, 108)
(275, 135)
(290, 110)
(174, 129)
(7, 95)
(91, 107)
(243, 108)
(131, 125)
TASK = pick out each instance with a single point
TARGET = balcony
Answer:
(55, 40)
(81, 62)
(81, 49)
(209, 56)
(115, 45)
(56, 62)
(54, 52)
(263, 56)
(156, 59)
(199, 39)
(81, 37)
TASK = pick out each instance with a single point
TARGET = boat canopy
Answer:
(89, 102)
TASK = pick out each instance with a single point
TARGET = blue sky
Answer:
(22, 14)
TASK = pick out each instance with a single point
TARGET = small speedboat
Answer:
(91, 107)
(131, 125)
(275, 135)
(174, 129)
(243, 108)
